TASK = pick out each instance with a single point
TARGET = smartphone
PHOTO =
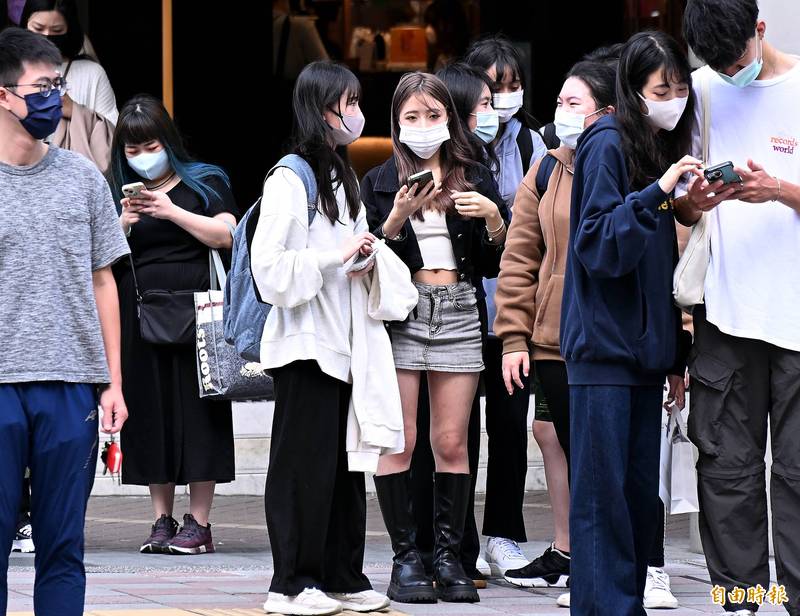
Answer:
(360, 262)
(422, 178)
(723, 171)
(132, 190)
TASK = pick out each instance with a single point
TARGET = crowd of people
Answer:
(488, 257)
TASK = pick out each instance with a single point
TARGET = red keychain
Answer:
(112, 458)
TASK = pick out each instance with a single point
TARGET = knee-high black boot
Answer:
(451, 497)
(409, 584)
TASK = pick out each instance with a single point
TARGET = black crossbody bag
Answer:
(165, 317)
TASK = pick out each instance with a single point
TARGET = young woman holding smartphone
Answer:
(449, 232)
(315, 507)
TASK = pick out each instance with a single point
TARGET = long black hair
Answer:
(319, 87)
(142, 119)
(71, 42)
(649, 154)
(466, 84)
(496, 50)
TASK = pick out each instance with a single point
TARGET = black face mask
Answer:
(62, 41)
(69, 43)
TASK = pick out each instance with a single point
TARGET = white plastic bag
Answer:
(678, 477)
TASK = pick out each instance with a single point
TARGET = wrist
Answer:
(173, 213)
(778, 191)
(494, 220)
(393, 225)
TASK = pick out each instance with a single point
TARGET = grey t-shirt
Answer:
(58, 224)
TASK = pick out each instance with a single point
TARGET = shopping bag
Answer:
(221, 372)
(678, 476)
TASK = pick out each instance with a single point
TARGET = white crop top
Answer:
(434, 241)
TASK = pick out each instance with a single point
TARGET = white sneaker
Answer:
(657, 593)
(364, 601)
(23, 540)
(483, 567)
(503, 554)
(310, 602)
(563, 600)
(740, 613)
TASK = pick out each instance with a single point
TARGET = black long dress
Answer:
(172, 435)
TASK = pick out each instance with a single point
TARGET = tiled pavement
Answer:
(233, 581)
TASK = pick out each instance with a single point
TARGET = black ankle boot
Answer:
(451, 495)
(409, 584)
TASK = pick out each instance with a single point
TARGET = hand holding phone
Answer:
(420, 179)
(415, 193)
(132, 191)
(723, 171)
(361, 262)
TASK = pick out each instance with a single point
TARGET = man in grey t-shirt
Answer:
(59, 323)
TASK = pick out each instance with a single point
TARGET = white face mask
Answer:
(507, 104)
(424, 142)
(569, 126)
(150, 165)
(665, 114)
(351, 128)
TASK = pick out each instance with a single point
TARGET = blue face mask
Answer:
(747, 75)
(150, 165)
(488, 123)
(44, 113)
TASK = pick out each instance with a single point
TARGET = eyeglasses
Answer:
(45, 89)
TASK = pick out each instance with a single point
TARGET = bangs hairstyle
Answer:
(455, 154)
(649, 154)
(319, 88)
(496, 50)
(465, 84)
(143, 119)
(69, 10)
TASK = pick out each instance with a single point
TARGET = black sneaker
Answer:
(23, 540)
(550, 569)
(163, 531)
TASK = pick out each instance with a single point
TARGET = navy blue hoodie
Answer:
(619, 325)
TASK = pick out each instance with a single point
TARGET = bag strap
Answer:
(706, 119)
(216, 271)
(544, 172)
(280, 67)
(551, 140)
(303, 170)
(525, 145)
(135, 282)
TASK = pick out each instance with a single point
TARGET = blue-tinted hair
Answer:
(143, 119)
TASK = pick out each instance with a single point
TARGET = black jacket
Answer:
(476, 256)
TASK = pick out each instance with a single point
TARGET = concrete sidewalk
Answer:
(234, 580)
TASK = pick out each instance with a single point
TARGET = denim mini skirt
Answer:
(443, 333)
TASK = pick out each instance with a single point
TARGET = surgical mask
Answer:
(349, 131)
(488, 123)
(569, 126)
(424, 142)
(44, 113)
(747, 75)
(665, 114)
(507, 104)
(150, 165)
